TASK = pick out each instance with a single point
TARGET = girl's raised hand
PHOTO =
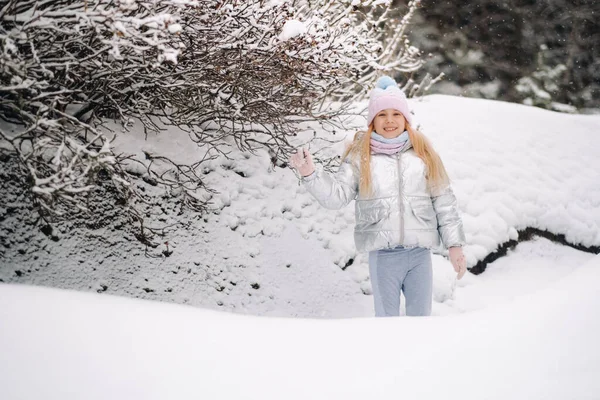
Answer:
(457, 258)
(302, 161)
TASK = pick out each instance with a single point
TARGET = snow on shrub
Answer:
(228, 72)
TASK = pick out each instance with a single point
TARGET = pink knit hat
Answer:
(387, 94)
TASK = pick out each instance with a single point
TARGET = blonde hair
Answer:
(360, 150)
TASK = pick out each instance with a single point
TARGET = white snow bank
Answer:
(57, 344)
(512, 166)
(515, 166)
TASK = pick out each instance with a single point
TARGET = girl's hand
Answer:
(302, 161)
(457, 258)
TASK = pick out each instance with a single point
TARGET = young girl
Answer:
(404, 202)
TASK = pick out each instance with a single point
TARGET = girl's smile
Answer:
(389, 123)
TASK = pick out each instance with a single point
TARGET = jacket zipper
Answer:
(400, 202)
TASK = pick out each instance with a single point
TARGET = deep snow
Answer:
(269, 249)
(58, 344)
(526, 328)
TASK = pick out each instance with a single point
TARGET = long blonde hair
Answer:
(360, 150)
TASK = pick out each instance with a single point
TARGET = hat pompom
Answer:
(385, 81)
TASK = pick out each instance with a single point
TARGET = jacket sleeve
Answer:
(333, 191)
(450, 225)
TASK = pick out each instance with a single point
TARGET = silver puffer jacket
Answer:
(402, 211)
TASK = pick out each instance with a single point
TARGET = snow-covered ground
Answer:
(57, 344)
(525, 328)
(269, 249)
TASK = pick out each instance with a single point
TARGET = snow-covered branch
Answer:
(225, 71)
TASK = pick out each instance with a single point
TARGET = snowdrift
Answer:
(58, 344)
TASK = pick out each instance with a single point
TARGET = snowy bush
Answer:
(228, 72)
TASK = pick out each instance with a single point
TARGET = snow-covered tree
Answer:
(484, 47)
(542, 86)
(228, 72)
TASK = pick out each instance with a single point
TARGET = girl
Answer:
(404, 202)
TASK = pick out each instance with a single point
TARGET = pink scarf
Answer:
(387, 148)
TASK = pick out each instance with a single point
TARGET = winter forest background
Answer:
(533, 52)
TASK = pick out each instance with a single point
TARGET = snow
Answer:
(565, 108)
(292, 28)
(536, 263)
(274, 3)
(175, 28)
(168, 55)
(58, 344)
(529, 324)
(512, 167)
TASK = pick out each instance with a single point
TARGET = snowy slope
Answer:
(269, 249)
(57, 344)
(515, 166)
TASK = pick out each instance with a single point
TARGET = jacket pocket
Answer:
(422, 209)
(369, 213)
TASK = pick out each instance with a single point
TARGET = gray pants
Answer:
(401, 269)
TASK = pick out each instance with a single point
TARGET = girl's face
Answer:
(389, 123)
